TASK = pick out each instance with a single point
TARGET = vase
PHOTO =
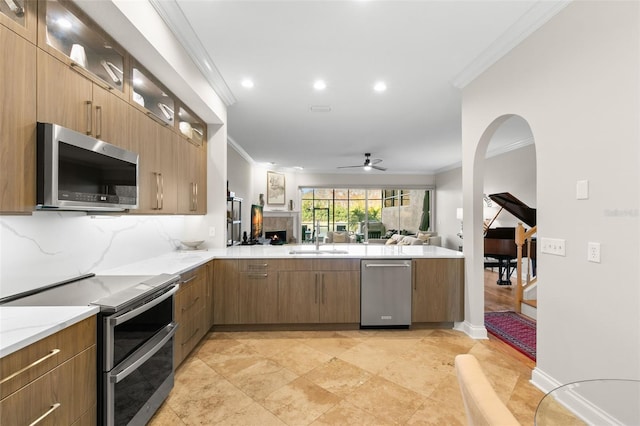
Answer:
(261, 199)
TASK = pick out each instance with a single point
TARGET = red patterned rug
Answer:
(514, 329)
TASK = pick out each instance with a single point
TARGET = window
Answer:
(375, 212)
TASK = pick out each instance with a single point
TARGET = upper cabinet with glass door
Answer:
(20, 16)
(149, 94)
(72, 37)
(190, 126)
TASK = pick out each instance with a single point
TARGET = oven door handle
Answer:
(113, 321)
(148, 350)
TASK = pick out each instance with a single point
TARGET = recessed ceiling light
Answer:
(319, 85)
(380, 86)
(247, 83)
(298, 167)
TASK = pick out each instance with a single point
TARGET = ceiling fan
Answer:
(368, 164)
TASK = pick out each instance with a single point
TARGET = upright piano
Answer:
(500, 243)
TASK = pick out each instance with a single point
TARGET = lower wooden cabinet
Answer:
(192, 312)
(438, 290)
(319, 297)
(61, 388)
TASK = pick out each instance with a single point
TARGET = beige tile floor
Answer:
(333, 378)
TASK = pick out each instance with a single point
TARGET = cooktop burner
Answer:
(110, 292)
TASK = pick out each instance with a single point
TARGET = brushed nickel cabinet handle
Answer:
(33, 364)
(316, 299)
(53, 408)
(89, 105)
(157, 175)
(161, 191)
(98, 121)
(195, 197)
(256, 276)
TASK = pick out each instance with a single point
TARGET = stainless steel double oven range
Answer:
(135, 339)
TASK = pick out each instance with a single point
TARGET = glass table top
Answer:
(591, 402)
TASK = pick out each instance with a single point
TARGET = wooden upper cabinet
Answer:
(191, 127)
(71, 36)
(21, 17)
(111, 118)
(17, 124)
(64, 97)
(191, 177)
(149, 95)
(156, 146)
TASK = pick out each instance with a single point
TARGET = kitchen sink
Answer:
(308, 251)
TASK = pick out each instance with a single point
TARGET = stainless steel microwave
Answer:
(78, 172)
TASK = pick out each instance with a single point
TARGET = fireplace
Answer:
(276, 237)
(279, 220)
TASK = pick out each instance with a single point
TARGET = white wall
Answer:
(576, 82)
(240, 177)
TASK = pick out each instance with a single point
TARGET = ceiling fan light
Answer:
(367, 168)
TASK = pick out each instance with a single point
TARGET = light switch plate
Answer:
(212, 231)
(553, 246)
(593, 252)
(582, 190)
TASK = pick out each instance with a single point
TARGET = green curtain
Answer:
(424, 220)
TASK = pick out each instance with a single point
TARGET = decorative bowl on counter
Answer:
(192, 245)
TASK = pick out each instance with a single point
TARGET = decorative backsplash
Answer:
(49, 247)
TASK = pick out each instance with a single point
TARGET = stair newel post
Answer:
(519, 242)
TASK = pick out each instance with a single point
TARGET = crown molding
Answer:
(535, 17)
(237, 148)
(174, 17)
(520, 143)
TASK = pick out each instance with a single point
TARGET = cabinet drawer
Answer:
(259, 265)
(27, 364)
(64, 394)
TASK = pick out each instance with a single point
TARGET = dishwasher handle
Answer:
(387, 265)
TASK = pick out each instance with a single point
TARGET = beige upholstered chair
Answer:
(481, 403)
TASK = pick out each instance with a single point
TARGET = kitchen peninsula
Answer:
(248, 283)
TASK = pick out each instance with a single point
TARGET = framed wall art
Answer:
(275, 188)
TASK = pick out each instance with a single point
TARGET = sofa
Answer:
(339, 237)
(421, 238)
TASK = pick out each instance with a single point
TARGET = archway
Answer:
(510, 167)
(473, 176)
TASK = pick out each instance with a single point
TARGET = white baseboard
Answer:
(573, 401)
(473, 331)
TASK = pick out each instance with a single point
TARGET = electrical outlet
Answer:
(553, 246)
(212, 231)
(593, 252)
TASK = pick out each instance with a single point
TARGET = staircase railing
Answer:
(523, 237)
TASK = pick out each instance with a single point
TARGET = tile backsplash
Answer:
(48, 247)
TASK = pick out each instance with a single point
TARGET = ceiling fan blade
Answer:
(376, 161)
(348, 167)
(379, 168)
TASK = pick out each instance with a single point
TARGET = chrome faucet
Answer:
(318, 235)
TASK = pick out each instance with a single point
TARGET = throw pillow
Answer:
(339, 237)
(424, 236)
(391, 241)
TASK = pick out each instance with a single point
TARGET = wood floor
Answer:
(497, 297)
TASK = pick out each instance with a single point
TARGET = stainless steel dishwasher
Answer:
(385, 293)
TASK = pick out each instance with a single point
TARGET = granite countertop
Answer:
(21, 326)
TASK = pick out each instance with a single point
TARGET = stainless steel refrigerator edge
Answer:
(385, 293)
